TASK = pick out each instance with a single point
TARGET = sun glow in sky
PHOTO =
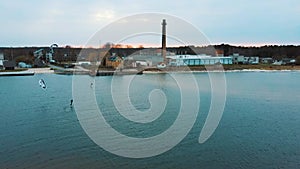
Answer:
(73, 22)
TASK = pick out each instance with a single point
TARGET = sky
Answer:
(74, 22)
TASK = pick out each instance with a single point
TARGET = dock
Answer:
(20, 73)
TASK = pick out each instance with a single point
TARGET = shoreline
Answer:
(41, 70)
(218, 71)
(32, 71)
(26, 72)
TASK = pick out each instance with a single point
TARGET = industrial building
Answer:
(194, 60)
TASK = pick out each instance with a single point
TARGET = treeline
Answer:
(69, 53)
(26, 54)
(274, 51)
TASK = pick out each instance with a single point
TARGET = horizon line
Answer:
(157, 46)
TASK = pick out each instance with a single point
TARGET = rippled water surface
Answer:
(259, 128)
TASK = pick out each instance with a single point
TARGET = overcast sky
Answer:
(74, 22)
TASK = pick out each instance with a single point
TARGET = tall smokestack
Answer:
(164, 39)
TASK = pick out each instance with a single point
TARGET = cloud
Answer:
(105, 15)
(74, 21)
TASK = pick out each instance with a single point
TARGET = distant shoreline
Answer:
(193, 69)
(217, 71)
(263, 67)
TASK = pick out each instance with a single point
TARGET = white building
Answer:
(1, 61)
(251, 60)
(268, 60)
(194, 60)
(237, 58)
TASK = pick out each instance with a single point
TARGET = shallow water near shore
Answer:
(259, 128)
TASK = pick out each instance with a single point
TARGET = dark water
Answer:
(259, 128)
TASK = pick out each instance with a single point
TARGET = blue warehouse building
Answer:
(194, 60)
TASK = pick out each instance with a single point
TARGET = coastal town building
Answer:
(277, 62)
(113, 61)
(219, 53)
(252, 60)
(288, 61)
(267, 60)
(9, 65)
(194, 60)
(237, 58)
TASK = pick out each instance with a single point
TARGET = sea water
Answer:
(259, 127)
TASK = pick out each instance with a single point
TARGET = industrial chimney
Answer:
(164, 39)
